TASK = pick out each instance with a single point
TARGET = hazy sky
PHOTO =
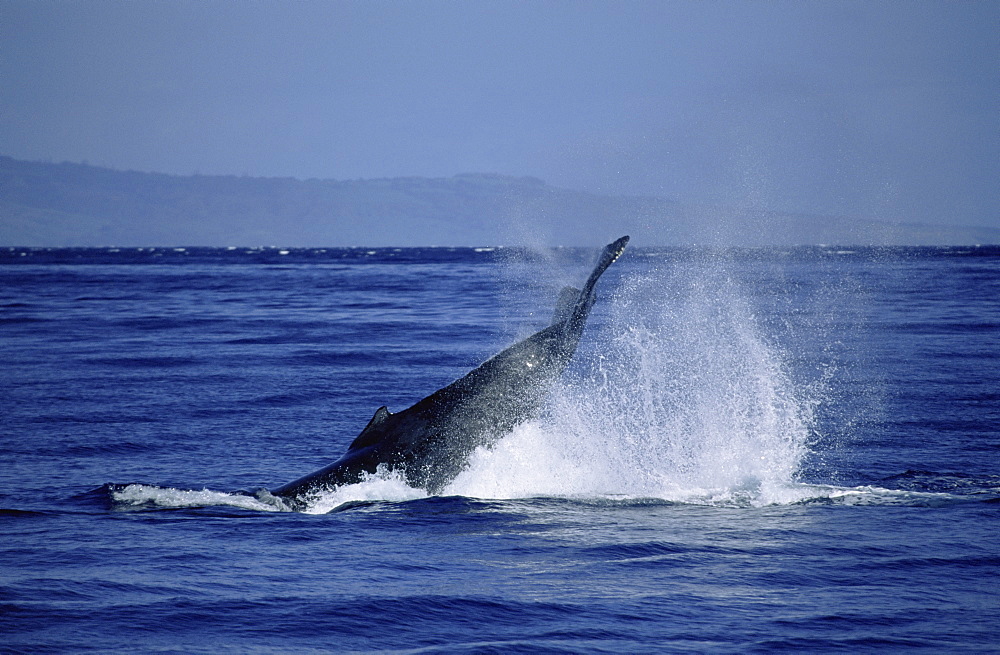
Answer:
(889, 110)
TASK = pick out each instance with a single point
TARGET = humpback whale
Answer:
(430, 443)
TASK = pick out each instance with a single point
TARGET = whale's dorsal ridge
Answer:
(370, 433)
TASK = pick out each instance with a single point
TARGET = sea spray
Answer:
(382, 486)
(146, 496)
(682, 398)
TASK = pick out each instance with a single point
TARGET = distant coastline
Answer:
(78, 205)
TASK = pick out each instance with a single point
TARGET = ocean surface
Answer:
(753, 451)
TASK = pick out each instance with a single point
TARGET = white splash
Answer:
(144, 495)
(685, 401)
(382, 486)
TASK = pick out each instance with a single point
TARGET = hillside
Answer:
(66, 204)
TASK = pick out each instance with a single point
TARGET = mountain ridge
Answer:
(71, 204)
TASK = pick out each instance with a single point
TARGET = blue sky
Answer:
(887, 110)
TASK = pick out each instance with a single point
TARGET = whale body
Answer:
(430, 443)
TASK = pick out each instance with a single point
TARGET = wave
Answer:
(138, 496)
(389, 490)
(145, 496)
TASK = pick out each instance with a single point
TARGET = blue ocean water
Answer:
(753, 451)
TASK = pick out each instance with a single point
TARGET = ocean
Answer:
(753, 451)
